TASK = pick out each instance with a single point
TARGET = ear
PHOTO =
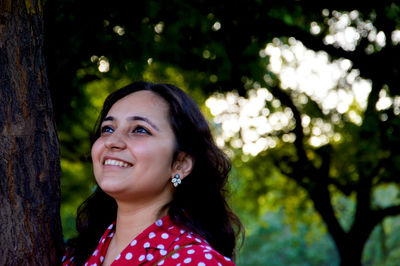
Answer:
(183, 164)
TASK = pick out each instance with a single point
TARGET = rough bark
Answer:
(29, 153)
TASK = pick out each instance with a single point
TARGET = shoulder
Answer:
(196, 254)
(188, 248)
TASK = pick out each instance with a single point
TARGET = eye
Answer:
(141, 130)
(107, 129)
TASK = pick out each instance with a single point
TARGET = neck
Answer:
(132, 220)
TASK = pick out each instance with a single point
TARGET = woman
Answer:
(161, 185)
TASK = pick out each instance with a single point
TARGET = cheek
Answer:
(96, 150)
(159, 156)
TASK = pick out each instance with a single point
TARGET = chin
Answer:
(110, 189)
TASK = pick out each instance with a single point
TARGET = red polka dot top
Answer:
(162, 243)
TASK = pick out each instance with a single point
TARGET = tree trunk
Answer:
(29, 153)
(350, 244)
(350, 252)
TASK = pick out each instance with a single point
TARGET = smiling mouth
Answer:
(117, 163)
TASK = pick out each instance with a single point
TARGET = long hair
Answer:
(199, 202)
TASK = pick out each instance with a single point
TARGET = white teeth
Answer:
(115, 162)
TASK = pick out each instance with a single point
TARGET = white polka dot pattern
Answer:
(142, 257)
(163, 243)
(149, 257)
(128, 256)
(163, 252)
(190, 251)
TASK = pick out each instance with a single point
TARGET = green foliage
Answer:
(276, 243)
(382, 246)
(77, 183)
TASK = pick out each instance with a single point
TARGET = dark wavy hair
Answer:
(199, 203)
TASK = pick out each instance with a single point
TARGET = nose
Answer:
(115, 141)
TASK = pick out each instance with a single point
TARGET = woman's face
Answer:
(132, 159)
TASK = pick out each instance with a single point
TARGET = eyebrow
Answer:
(135, 118)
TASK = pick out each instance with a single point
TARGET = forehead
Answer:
(140, 102)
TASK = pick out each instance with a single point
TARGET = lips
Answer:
(117, 162)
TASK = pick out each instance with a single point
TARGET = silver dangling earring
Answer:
(176, 180)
